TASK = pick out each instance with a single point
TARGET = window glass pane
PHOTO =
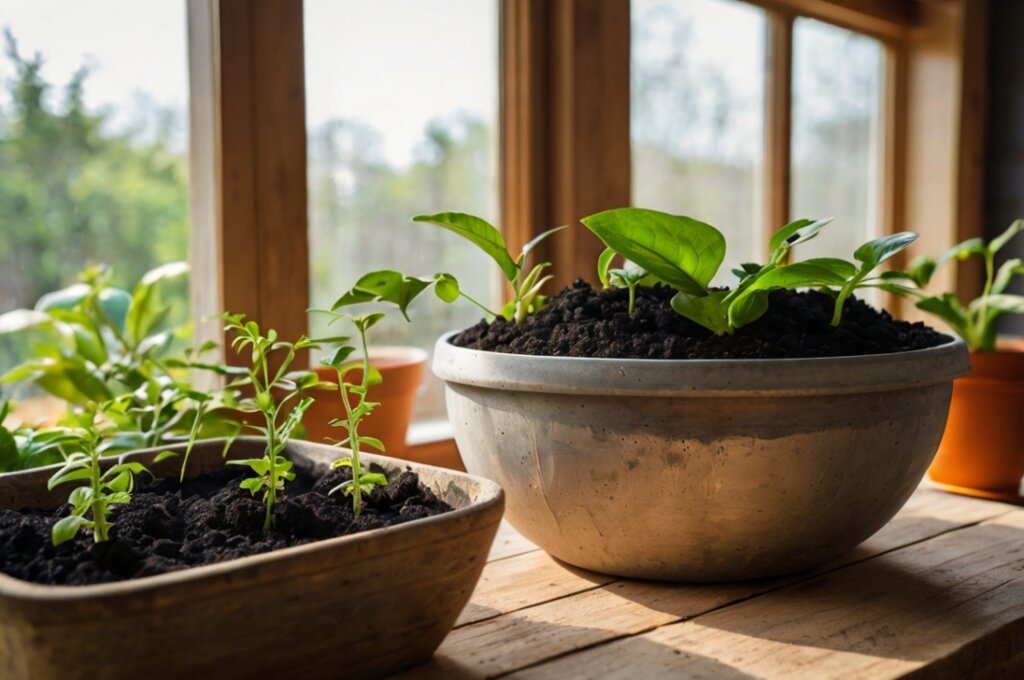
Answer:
(402, 115)
(698, 114)
(837, 91)
(93, 139)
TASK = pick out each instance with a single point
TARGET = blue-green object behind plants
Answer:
(93, 343)
(977, 322)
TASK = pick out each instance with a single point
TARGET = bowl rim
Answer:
(700, 377)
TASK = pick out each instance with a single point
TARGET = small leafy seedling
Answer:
(629, 277)
(526, 283)
(686, 254)
(362, 482)
(977, 322)
(274, 388)
(92, 503)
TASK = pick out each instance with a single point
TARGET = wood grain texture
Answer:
(570, 619)
(565, 111)
(250, 252)
(952, 606)
(778, 122)
(885, 19)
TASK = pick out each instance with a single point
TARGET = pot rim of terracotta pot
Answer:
(700, 377)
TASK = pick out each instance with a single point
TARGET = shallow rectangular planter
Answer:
(354, 606)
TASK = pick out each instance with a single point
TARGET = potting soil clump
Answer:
(584, 322)
(169, 526)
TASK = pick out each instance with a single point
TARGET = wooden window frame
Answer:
(565, 139)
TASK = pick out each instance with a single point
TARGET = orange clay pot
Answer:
(402, 370)
(983, 446)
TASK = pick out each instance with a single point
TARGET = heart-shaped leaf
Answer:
(679, 250)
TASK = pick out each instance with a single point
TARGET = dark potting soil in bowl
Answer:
(169, 526)
(582, 321)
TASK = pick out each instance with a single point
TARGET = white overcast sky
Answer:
(394, 64)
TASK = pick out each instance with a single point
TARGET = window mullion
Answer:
(778, 103)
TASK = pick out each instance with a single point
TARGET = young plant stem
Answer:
(353, 424)
(632, 297)
(100, 527)
(268, 520)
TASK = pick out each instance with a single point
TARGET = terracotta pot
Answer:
(402, 369)
(983, 446)
(364, 605)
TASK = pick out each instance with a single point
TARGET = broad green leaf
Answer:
(163, 272)
(10, 460)
(165, 455)
(877, 251)
(115, 304)
(747, 309)
(798, 231)
(821, 271)
(679, 250)
(963, 250)
(65, 298)
(604, 261)
(253, 484)
(999, 241)
(446, 287)
(80, 497)
(338, 357)
(373, 442)
(67, 528)
(921, 270)
(384, 286)
(948, 308)
(72, 476)
(1005, 304)
(373, 478)
(479, 232)
(706, 310)
(367, 321)
(1006, 272)
(19, 320)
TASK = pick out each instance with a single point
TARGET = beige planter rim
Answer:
(699, 377)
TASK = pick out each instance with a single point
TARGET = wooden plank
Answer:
(884, 19)
(248, 163)
(778, 122)
(974, 102)
(532, 634)
(953, 605)
(522, 581)
(509, 543)
(565, 115)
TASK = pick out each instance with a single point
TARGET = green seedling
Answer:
(89, 439)
(686, 254)
(630, 277)
(274, 390)
(977, 322)
(526, 283)
(363, 481)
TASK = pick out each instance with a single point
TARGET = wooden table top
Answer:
(939, 592)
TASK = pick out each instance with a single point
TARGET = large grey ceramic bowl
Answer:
(699, 470)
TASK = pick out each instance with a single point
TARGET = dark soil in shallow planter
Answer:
(169, 526)
(359, 605)
(585, 322)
